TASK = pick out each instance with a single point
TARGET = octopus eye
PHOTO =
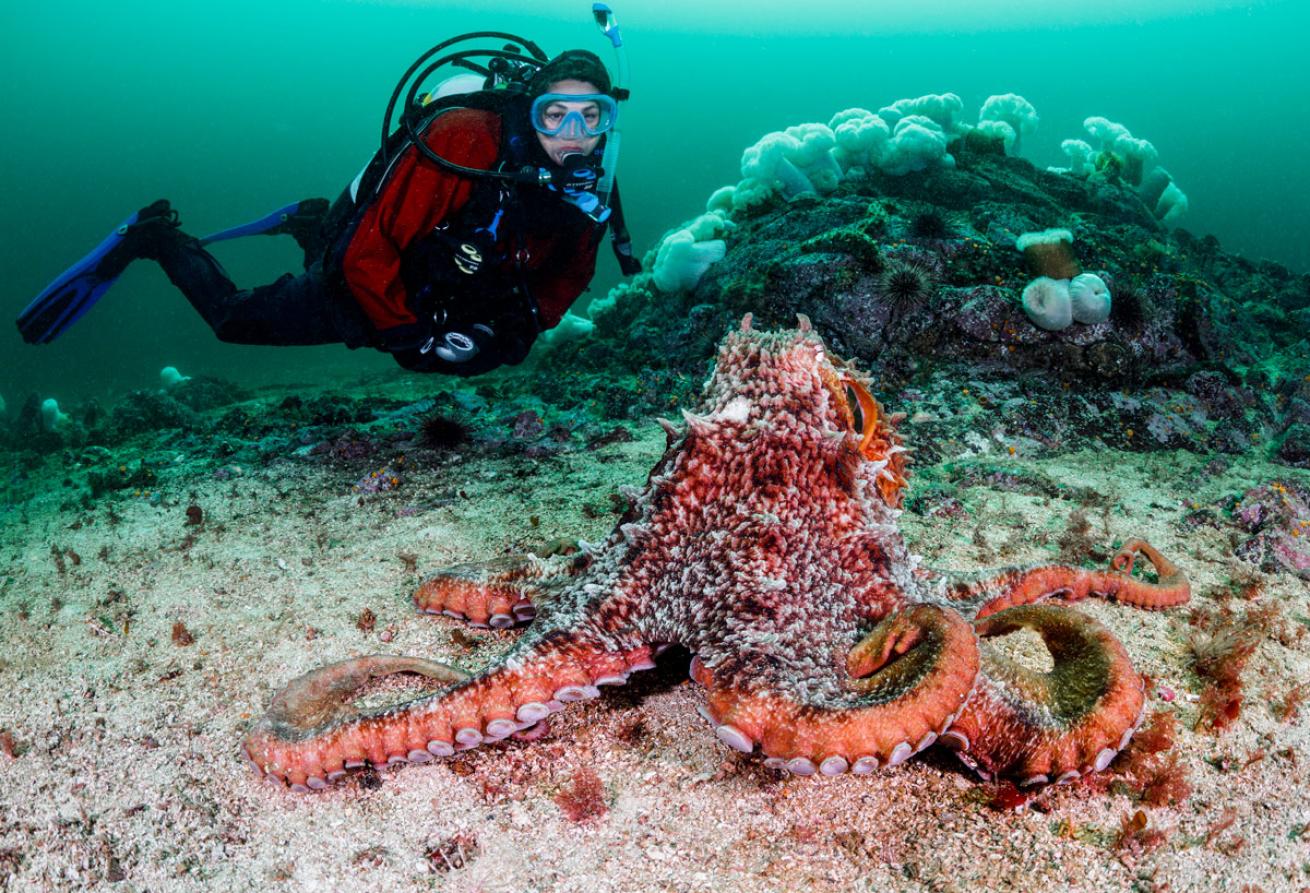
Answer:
(868, 411)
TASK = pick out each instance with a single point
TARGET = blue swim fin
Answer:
(64, 301)
(302, 220)
(265, 225)
(74, 291)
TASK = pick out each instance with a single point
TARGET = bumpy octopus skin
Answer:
(766, 543)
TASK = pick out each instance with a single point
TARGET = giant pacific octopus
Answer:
(766, 543)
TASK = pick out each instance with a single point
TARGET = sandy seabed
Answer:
(121, 766)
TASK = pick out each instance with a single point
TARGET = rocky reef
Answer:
(916, 275)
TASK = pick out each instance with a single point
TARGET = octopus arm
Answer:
(1048, 727)
(313, 733)
(1022, 586)
(500, 593)
(905, 681)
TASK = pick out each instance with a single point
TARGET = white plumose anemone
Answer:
(1090, 298)
(1047, 303)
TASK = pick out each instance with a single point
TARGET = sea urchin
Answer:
(905, 286)
(930, 225)
(441, 432)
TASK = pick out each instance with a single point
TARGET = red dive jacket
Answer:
(419, 194)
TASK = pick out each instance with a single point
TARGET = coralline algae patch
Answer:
(1277, 515)
(383, 480)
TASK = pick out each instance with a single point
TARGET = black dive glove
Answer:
(627, 262)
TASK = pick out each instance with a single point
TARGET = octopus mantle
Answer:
(765, 542)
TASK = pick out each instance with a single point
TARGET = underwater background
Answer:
(233, 109)
(173, 557)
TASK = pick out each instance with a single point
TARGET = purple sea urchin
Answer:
(440, 432)
(1130, 308)
(905, 286)
(930, 224)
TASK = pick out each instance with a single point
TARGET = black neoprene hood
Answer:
(571, 65)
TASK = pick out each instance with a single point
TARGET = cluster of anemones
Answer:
(1062, 293)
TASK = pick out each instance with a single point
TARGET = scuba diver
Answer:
(472, 229)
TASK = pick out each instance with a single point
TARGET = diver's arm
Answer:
(417, 196)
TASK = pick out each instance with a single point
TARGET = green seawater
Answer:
(233, 109)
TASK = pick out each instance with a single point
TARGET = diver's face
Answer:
(557, 147)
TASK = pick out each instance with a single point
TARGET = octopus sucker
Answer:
(1023, 723)
(733, 550)
(497, 594)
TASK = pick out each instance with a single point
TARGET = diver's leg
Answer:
(294, 310)
(305, 225)
(195, 272)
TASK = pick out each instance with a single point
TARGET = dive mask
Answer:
(574, 115)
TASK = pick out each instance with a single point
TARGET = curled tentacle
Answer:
(1024, 586)
(907, 681)
(1049, 727)
(321, 697)
(1170, 589)
(312, 733)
